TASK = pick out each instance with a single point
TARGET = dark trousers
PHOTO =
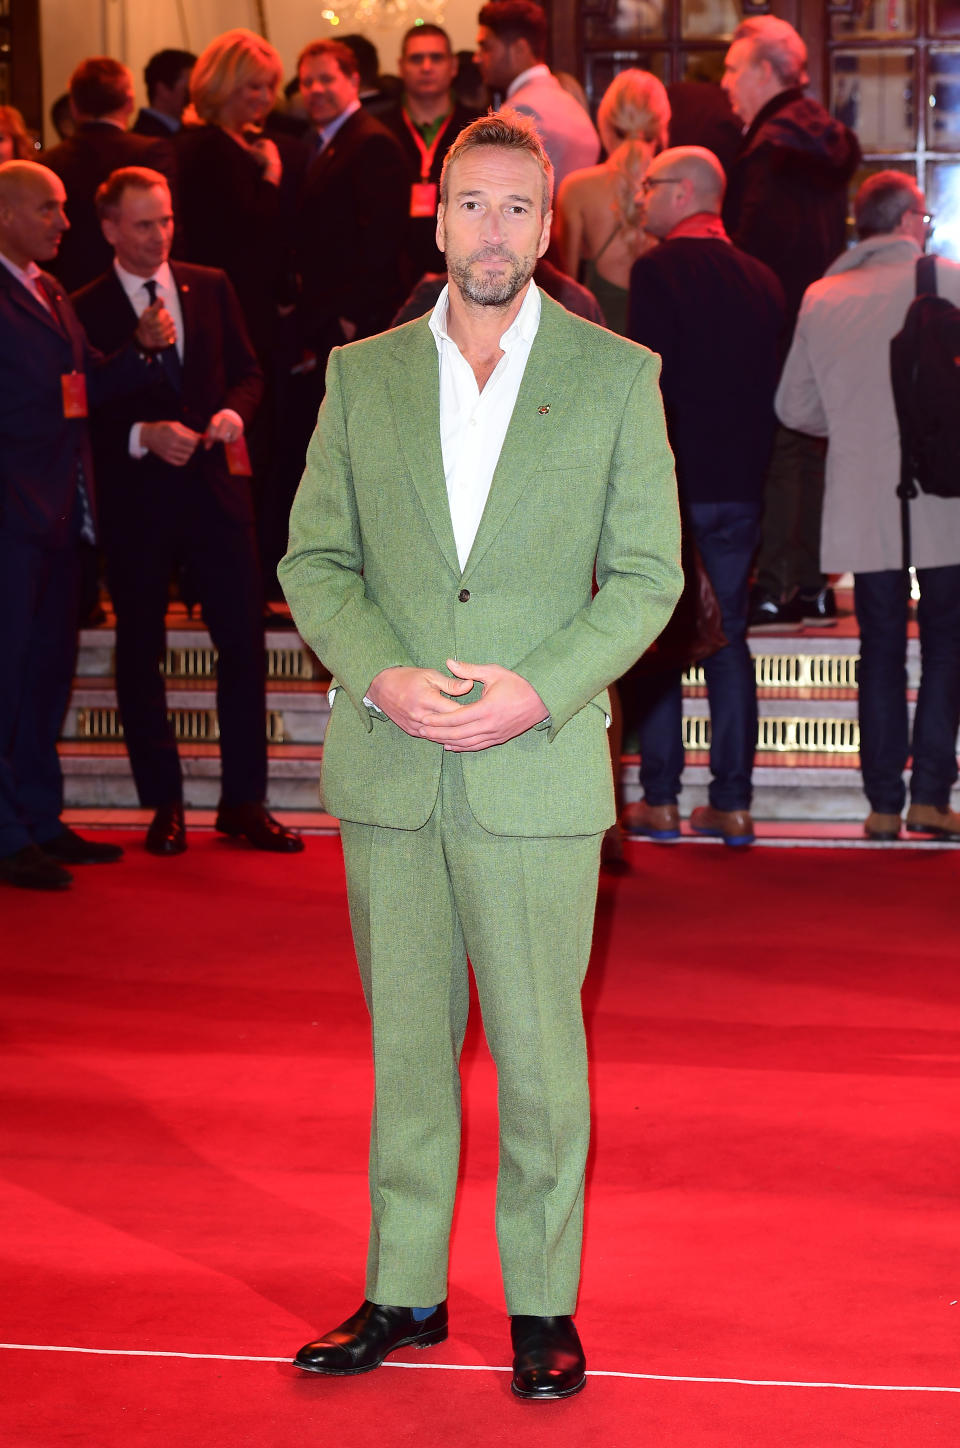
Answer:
(789, 557)
(881, 601)
(726, 535)
(220, 558)
(39, 589)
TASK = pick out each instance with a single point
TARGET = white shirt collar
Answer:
(26, 276)
(131, 284)
(535, 72)
(326, 133)
(522, 328)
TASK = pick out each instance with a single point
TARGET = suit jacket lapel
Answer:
(548, 390)
(27, 302)
(415, 393)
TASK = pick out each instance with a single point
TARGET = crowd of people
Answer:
(218, 244)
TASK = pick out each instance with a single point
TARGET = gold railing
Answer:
(790, 735)
(197, 725)
(795, 671)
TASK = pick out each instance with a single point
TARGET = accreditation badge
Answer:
(74, 387)
(423, 199)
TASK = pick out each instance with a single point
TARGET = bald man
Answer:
(47, 370)
(717, 318)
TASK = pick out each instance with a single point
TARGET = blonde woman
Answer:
(16, 143)
(597, 223)
(229, 176)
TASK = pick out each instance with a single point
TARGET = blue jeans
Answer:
(727, 535)
(881, 601)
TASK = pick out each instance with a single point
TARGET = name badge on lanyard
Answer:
(423, 193)
(74, 386)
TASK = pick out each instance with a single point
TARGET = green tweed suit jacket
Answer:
(584, 489)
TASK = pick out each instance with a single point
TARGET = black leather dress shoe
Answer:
(362, 1342)
(167, 834)
(255, 824)
(32, 869)
(548, 1361)
(69, 848)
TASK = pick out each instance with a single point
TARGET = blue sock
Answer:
(420, 1314)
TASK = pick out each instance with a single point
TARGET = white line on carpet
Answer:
(483, 1368)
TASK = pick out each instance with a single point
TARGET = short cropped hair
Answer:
(100, 85)
(366, 56)
(437, 31)
(775, 41)
(166, 68)
(506, 128)
(512, 20)
(336, 50)
(230, 61)
(882, 201)
(635, 106)
(127, 178)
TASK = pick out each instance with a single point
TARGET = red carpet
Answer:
(776, 1047)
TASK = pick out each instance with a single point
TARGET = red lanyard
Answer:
(426, 153)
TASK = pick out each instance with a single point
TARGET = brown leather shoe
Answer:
(255, 824)
(879, 826)
(658, 821)
(930, 819)
(733, 826)
(167, 834)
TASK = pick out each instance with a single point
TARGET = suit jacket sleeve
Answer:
(244, 377)
(798, 403)
(638, 572)
(324, 584)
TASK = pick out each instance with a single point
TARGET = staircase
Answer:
(807, 765)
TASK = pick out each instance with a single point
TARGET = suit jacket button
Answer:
(464, 595)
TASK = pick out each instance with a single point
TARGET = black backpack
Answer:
(925, 370)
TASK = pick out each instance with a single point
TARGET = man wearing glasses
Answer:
(836, 384)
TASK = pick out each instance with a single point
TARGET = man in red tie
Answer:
(48, 372)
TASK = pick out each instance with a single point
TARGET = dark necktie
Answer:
(168, 356)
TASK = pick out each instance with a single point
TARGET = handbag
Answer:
(695, 629)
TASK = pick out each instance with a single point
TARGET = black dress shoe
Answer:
(362, 1342)
(548, 1361)
(69, 848)
(167, 834)
(32, 869)
(255, 824)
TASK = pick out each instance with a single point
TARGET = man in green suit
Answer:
(471, 474)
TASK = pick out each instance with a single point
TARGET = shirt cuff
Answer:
(136, 447)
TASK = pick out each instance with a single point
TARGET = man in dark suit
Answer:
(166, 76)
(353, 206)
(101, 95)
(425, 122)
(717, 318)
(176, 490)
(46, 506)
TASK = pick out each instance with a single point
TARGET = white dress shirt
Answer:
(139, 298)
(27, 277)
(325, 134)
(473, 424)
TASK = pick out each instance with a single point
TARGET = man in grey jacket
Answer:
(836, 384)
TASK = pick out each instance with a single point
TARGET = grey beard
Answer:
(491, 291)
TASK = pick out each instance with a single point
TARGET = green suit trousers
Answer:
(521, 908)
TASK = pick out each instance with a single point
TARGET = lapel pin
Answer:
(545, 409)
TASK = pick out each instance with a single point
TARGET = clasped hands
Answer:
(423, 703)
(175, 443)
